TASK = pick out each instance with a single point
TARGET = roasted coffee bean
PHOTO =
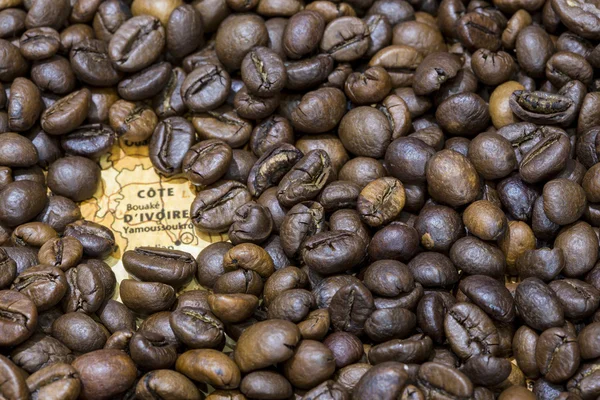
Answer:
(91, 141)
(137, 43)
(86, 290)
(207, 161)
(146, 297)
(132, 121)
(45, 285)
(173, 267)
(205, 88)
(350, 307)
(213, 209)
(115, 316)
(97, 240)
(578, 299)
(105, 374)
(319, 111)
(8, 269)
(305, 180)
(59, 379)
(390, 323)
(166, 383)
(79, 332)
(17, 151)
(382, 381)
(152, 350)
(21, 201)
(146, 83)
(169, 102)
(557, 354)
(381, 201)
(433, 270)
(13, 64)
(481, 289)
(20, 317)
(542, 107)
(465, 321)
(439, 227)
(414, 350)
(170, 142)
(309, 72)
(15, 386)
(263, 72)
(230, 50)
(333, 251)
(578, 243)
(311, 364)
(365, 131)
(543, 263)
(197, 328)
(345, 39)
(271, 167)
(435, 70)
(277, 339)
(252, 223)
(538, 305)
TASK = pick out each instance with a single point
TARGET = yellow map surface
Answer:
(142, 207)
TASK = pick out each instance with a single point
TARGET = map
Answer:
(142, 207)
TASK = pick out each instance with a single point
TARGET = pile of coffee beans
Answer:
(411, 191)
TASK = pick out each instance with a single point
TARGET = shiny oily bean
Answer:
(350, 308)
(306, 179)
(271, 167)
(59, 380)
(413, 350)
(557, 354)
(578, 299)
(303, 221)
(213, 209)
(333, 251)
(197, 328)
(266, 343)
(381, 201)
(531, 293)
(146, 297)
(250, 257)
(45, 285)
(166, 383)
(465, 321)
(172, 267)
(490, 295)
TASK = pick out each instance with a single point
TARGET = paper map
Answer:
(142, 207)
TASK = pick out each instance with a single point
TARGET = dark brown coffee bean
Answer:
(79, 332)
(15, 386)
(21, 201)
(137, 43)
(382, 381)
(449, 166)
(465, 321)
(105, 374)
(381, 201)
(185, 29)
(531, 293)
(414, 350)
(92, 65)
(21, 317)
(350, 307)
(345, 39)
(557, 354)
(281, 338)
(24, 105)
(213, 209)
(146, 297)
